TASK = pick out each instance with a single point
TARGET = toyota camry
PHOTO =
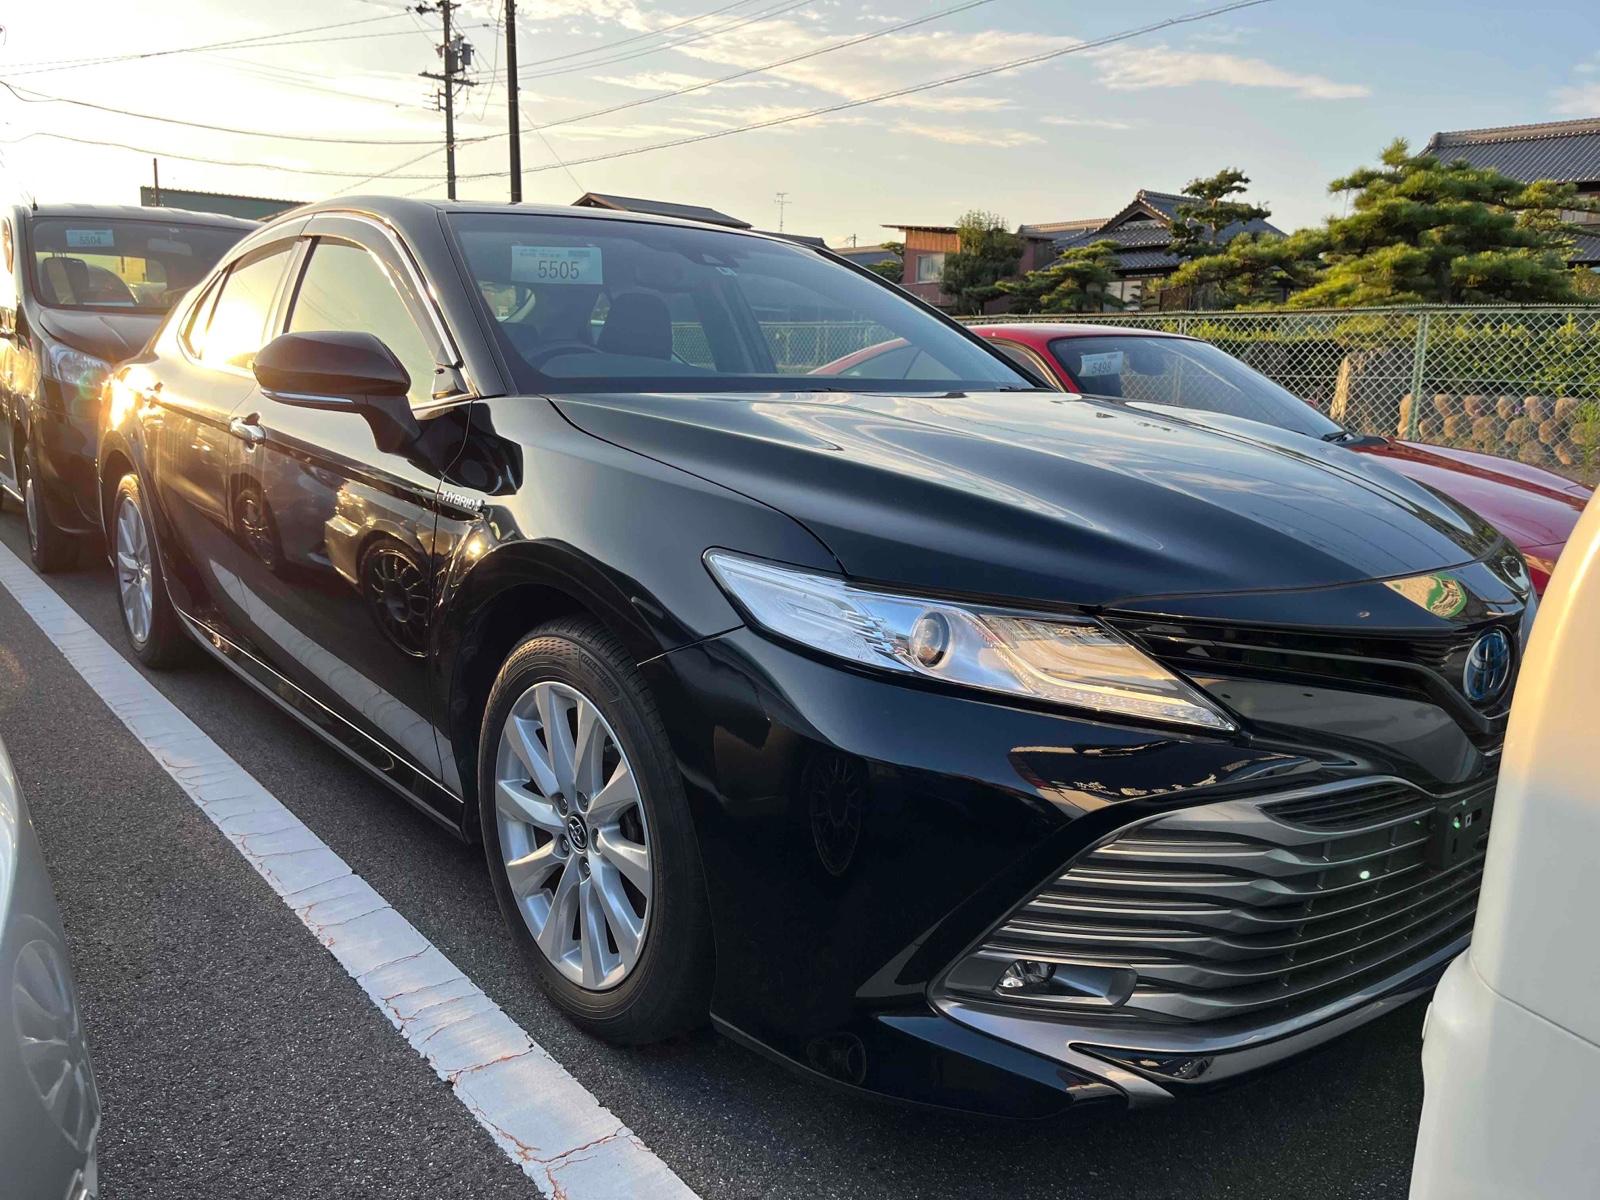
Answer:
(944, 736)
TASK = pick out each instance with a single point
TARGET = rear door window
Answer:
(237, 327)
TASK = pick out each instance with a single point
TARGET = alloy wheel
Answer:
(30, 506)
(574, 837)
(135, 582)
(51, 1040)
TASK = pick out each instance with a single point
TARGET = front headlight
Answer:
(1063, 660)
(81, 375)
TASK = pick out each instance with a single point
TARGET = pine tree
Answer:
(1198, 225)
(1075, 282)
(989, 253)
(1252, 269)
(892, 269)
(1425, 231)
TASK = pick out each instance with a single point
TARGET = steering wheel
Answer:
(539, 357)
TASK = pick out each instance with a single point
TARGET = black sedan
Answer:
(946, 738)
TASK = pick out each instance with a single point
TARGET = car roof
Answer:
(403, 213)
(133, 212)
(1039, 332)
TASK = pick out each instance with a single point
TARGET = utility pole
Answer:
(155, 170)
(514, 123)
(456, 52)
(783, 203)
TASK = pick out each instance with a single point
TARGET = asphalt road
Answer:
(236, 1058)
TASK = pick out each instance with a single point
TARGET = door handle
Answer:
(247, 431)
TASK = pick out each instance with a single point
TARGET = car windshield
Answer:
(102, 263)
(586, 304)
(1185, 374)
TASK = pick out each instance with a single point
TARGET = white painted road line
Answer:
(564, 1139)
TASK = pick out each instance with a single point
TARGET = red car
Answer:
(1535, 508)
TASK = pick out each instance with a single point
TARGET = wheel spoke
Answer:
(587, 748)
(531, 755)
(627, 928)
(530, 873)
(557, 737)
(514, 802)
(554, 939)
(630, 858)
(593, 948)
(620, 793)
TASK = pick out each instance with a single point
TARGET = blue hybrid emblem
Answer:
(1488, 669)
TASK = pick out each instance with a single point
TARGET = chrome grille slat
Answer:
(1192, 976)
(1024, 935)
(1250, 910)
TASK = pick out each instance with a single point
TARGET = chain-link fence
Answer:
(1523, 383)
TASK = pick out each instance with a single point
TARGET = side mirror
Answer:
(341, 370)
(332, 366)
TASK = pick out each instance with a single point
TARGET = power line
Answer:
(707, 84)
(63, 64)
(218, 162)
(34, 97)
(539, 133)
(273, 73)
(897, 93)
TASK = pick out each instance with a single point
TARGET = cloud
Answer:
(1088, 122)
(1163, 67)
(878, 66)
(667, 81)
(1578, 100)
(956, 135)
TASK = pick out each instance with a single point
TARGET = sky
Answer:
(1293, 92)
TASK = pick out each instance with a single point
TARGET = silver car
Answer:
(49, 1109)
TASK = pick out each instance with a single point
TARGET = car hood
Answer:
(1050, 498)
(112, 336)
(1536, 509)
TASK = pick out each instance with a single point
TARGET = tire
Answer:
(154, 631)
(51, 547)
(666, 988)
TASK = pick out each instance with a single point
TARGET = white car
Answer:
(49, 1109)
(1511, 1049)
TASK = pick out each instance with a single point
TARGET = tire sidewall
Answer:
(564, 657)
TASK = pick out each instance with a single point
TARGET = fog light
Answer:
(1025, 972)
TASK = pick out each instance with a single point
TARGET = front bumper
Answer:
(861, 836)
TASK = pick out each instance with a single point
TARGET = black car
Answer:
(84, 287)
(943, 736)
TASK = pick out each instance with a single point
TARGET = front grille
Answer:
(1244, 912)
(1418, 664)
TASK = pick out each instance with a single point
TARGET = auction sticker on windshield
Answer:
(556, 264)
(1095, 365)
(90, 239)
